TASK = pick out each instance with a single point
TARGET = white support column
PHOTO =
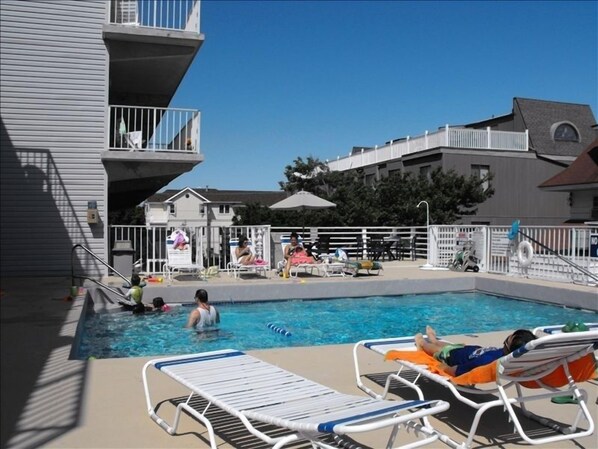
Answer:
(446, 134)
(488, 136)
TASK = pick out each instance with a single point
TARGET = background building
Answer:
(537, 140)
(202, 207)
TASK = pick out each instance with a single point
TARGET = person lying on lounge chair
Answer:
(243, 252)
(459, 359)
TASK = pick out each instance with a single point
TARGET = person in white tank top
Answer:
(205, 317)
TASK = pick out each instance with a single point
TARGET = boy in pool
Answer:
(459, 359)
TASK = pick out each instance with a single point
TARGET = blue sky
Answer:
(275, 80)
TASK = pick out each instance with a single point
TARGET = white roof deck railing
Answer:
(181, 15)
(483, 139)
(136, 128)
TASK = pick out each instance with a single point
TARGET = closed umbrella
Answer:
(301, 201)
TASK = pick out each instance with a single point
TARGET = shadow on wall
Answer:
(39, 224)
(41, 389)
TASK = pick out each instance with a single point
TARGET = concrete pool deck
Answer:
(49, 400)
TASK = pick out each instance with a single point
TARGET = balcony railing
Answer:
(446, 137)
(181, 15)
(135, 128)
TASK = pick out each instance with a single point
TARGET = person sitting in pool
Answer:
(243, 252)
(205, 317)
(459, 359)
(159, 305)
(134, 297)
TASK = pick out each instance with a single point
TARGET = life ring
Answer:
(525, 253)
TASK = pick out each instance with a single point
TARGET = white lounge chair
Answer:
(255, 391)
(557, 329)
(327, 267)
(533, 366)
(180, 260)
(236, 268)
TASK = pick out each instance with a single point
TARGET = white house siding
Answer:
(53, 93)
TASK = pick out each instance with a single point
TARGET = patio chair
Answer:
(553, 364)
(180, 260)
(257, 392)
(236, 268)
(134, 140)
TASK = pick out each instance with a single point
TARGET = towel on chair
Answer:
(581, 369)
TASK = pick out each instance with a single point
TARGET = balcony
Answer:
(148, 148)
(134, 128)
(160, 37)
(446, 138)
(182, 15)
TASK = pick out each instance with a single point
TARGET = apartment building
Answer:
(522, 149)
(85, 122)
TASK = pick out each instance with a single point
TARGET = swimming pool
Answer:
(314, 322)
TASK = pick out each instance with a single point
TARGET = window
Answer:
(202, 209)
(172, 209)
(564, 132)
(224, 209)
(481, 172)
(595, 208)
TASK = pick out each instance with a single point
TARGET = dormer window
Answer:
(564, 132)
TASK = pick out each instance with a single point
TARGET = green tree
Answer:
(392, 201)
(130, 216)
(448, 194)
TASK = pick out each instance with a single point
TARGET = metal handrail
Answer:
(564, 259)
(103, 262)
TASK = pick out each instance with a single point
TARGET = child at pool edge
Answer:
(457, 359)
(205, 317)
(135, 296)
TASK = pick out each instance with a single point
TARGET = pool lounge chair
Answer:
(180, 260)
(236, 268)
(354, 266)
(557, 329)
(553, 364)
(257, 392)
(327, 267)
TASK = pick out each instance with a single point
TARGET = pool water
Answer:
(314, 322)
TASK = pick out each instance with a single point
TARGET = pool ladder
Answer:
(95, 281)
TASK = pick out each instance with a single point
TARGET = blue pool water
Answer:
(315, 322)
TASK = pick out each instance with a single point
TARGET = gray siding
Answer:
(516, 192)
(53, 79)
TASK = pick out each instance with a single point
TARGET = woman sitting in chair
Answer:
(243, 252)
(294, 254)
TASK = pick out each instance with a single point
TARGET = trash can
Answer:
(122, 257)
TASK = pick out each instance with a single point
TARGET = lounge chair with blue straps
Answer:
(257, 392)
(550, 366)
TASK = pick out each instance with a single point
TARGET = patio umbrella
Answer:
(301, 201)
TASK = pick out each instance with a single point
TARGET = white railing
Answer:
(210, 245)
(498, 254)
(136, 128)
(446, 137)
(182, 15)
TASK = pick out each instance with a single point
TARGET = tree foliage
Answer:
(131, 216)
(391, 201)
